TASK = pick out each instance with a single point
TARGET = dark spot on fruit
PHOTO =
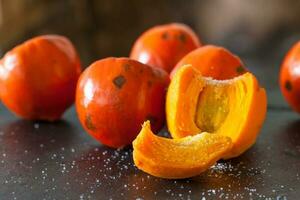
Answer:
(126, 67)
(157, 73)
(257, 87)
(182, 37)
(89, 124)
(288, 85)
(151, 118)
(153, 73)
(118, 107)
(165, 36)
(119, 81)
(141, 70)
(149, 83)
(240, 69)
(54, 62)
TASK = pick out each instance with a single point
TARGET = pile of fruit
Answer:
(214, 107)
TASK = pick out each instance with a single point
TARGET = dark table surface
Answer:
(60, 161)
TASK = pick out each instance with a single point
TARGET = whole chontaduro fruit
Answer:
(213, 61)
(163, 46)
(116, 95)
(289, 77)
(38, 78)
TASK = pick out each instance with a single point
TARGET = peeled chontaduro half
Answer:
(235, 108)
(177, 158)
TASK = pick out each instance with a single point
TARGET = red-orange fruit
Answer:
(163, 46)
(38, 78)
(116, 95)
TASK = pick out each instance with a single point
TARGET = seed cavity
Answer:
(119, 81)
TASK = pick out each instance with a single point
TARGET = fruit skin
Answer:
(163, 46)
(289, 77)
(213, 61)
(38, 78)
(116, 95)
(177, 158)
(247, 107)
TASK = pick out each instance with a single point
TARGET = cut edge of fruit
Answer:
(175, 170)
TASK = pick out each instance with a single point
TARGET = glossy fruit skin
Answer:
(163, 46)
(213, 61)
(289, 77)
(116, 95)
(38, 78)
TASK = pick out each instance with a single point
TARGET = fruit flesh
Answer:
(177, 158)
(181, 97)
(235, 108)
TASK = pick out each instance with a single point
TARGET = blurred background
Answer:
(259, 31)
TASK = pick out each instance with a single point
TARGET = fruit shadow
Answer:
(290, 138)
(116, 171)
(230, 176)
